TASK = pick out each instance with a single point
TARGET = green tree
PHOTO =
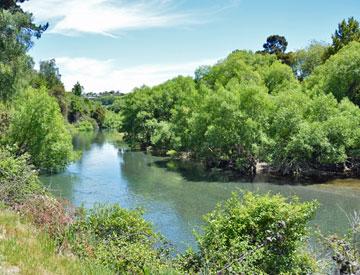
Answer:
(306, 60)
(38, 128)
(339, 75)
(15, 65)
(201, 72)
(50, 73)
(347, 32)
(277, 44)
(77, 89)
(312, 132)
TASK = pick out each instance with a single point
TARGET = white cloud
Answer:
(97, 76)
(106, 17)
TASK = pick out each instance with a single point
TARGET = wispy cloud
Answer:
(106, 17)
(96, 75)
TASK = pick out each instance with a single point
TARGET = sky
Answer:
(123, 44)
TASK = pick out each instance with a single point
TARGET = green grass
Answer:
(28, 250)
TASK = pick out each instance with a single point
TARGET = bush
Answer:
(345, 251)
(255, 235)
(112, 121)
(18, 180)
(38, 128)
(119, 239)
(86, 125)
(49, 214)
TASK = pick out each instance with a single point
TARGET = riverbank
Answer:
(317, 174)
(25, 249)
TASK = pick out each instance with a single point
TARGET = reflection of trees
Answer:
(156, 183)
(61, 185)
(83, 141)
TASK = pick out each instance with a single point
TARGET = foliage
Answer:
(112, 121)
(15, 65)
(25, 248)
(347, 32)
(4, 120)
(49, 214)
(345, 251)
(249, 108)
(275, 44)
(306, 60)
(85, 125)
(83, 109)
(255, 235)
(119, 239)
(29, 29)
(147, 111)
(339, 75)
(38, 128)
(312, 132)
(77, 89)
(50, 74)
(18, 180)
(228, 127)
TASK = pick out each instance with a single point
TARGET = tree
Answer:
(50, 73)
(306, 60)
(339, 75)
(275, 44)
(77, 89)
(15, 64)
(28, 27)
(11, 5)
(201, 72)
(347, 31)
(38, 128)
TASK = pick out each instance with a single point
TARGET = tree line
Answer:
(296, 111)
(247, 108)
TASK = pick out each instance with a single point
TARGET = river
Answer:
(177, 195)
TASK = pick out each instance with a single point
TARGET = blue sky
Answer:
(120, 44)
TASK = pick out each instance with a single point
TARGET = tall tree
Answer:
(347, 31)
(275, 44)
(17, 31)
(77, 89)
(50, 73)
(11, 5)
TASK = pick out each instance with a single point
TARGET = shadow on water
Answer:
(193, 171)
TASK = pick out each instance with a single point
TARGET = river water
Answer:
(177, 195)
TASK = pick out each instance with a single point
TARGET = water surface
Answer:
(177, 195)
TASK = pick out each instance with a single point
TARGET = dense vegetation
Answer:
(294, 111)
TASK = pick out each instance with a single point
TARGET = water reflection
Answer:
(176, 194)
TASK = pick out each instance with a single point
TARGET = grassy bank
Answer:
(25, 249)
